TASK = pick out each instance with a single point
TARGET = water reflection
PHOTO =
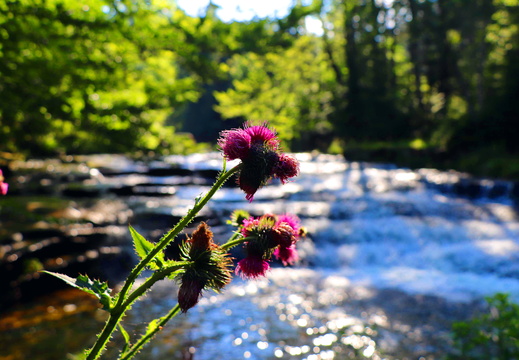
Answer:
(50, 328)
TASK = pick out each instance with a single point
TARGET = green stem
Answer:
(149, 334)
(118, 311)
(104, 336)
(233, 241)
(166, 239)
(121, 305)
(146, 285)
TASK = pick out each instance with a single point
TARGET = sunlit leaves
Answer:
(84, 283)
(100, 70)
(294, 95)
(143, 247)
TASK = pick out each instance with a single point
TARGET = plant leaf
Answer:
(143, 247)
(95, 287)
(126, 337)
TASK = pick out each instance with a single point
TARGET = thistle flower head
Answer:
(266, 236)
(287, 255)
(3, 186)
(209, 268)
(286, 167)
(292, 221)
(257, 146)
(252, 267)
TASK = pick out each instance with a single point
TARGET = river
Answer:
(393, 256)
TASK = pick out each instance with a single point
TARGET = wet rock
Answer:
(499, 189)
(515, 191)
(169, 171)
(81, 191)
(468, 188)
(143, 190)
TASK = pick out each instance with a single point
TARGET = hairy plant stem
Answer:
(235, 240)
(123, 301)
(160, 322)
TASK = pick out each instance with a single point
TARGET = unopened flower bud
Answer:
(208, 268)
(190, 291)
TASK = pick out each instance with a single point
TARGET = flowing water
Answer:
(393, 256)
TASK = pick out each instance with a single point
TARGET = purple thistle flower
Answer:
(287, 255)
(3, 186)
(292, 221)
(257, 146)
(235, 144)
(252, 267)
(286, 167)
(262, 134)
(266, 236)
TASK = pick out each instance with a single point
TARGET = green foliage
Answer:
(126, 337)
(493, 335)
(94, 287)
(103, 76)
(294, 96)
(143, 247)
(88, 77)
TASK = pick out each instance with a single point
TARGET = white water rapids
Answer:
(374, 231)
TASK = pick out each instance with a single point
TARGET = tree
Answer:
(291, 89)
(87, 78)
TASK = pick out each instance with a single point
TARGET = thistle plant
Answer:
(204, 264)
(3, 185)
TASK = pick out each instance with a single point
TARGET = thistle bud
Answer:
(208, 268)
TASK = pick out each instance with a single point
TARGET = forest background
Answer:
(421, 83)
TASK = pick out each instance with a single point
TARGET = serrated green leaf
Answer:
(80, 356)
(143, 247)
(95, 287)
(126, 337)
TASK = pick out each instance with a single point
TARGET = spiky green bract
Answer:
(208, 268)
(260, 232)
(257, 169)
(238, 217)
(266, 236)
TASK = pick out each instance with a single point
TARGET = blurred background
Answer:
(416, 81)
(404, 115)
